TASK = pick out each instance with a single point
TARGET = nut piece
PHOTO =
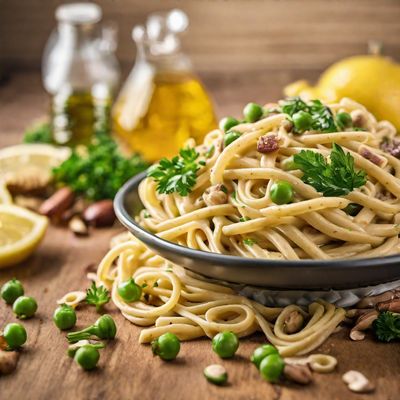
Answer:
(357, 382)
(78, 227)
(293, 322)
(8, 361)
(267, 144)
(100, 213)
(372, 301)
(215, 195)
(60, 201)
(359, 118)
(389, 305)
(298, 373)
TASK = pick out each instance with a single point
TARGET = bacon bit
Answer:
(267, 144)
(374, 158)
(392, 147)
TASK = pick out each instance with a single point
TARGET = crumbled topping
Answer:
(267, 144)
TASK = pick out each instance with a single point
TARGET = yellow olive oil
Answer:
(78, 115)
(157, 117)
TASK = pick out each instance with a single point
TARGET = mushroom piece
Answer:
(357, 382)
(215, 195)
(363, 323)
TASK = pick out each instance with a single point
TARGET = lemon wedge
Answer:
(21, 231)
(5, 197)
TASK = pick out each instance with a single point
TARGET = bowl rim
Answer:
(129, 222)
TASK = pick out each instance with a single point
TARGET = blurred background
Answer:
(243, 50)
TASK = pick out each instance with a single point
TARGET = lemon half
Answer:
(21, 231)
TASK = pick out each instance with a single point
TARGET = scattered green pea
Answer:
(15, 335)
(271, 367)
(166, 346)
(64, 317)
(302, 121)
(103, 328)
(216, 374)
(230, 137)
(343, 119)
(252, 112)
(225, 344)
(227, 123)
(129, 290)
(87, 357)
(25, 307)
(281, 192)
(261, 352)
(11, 290)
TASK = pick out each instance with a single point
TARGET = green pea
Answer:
(64, 317)
(352, 209)
(261, 352)
(25, 307)
(252, 112)
(129, 290)
(230, 137)
(11, 290)
(225, 344)
(15, 335)
(271, 367)
(343, 119)
(167, 346)
(281, 192)
(302, 121)
(228, 123)
(87, 357)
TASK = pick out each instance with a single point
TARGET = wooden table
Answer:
(128, 370)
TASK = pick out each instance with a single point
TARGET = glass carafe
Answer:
(163, 102)
(80, 72)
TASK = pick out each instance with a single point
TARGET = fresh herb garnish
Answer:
(100, 171)
(244, 219)
(249, 241)
(146, 214)
(209, 153)
(176, 175)
(321, 116)
(387, 326)
(39, 133)
(337, 178)
(97, 296)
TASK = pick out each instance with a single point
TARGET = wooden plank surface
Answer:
(128, 370)
(239, 34)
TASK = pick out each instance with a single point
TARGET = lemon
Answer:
(40, 158)
(371, 80)
(21, 231)
(5, 197)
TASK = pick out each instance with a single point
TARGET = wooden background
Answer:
(224, 35)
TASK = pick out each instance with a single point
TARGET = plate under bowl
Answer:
(275, 274)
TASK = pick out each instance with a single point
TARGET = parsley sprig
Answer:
(337, 178)
(387, 326)
(97, 296)
(322, 117)
(178, 174)
(100, 171)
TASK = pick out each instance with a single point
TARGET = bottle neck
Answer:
(78, 33)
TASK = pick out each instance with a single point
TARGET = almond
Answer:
(60, 201)
(100, 213)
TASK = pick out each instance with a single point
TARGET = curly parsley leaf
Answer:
(176, 175)
(100, 171)
(387, 326)
(97, 296)
(337, 178)
(322, 117)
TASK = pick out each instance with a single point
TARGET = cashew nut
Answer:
(72, 298)
(363, 323)
(357, 382)
(322, 363)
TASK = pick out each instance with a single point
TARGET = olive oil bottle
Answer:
(162, 103)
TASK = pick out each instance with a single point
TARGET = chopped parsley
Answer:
(249, 241)
(337, 178)
(209, 153)
(244, 219)
(146, 214)
(178, 174)
(387, 326)
(39, 133)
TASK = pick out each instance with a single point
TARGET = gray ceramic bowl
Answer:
(275, 274)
